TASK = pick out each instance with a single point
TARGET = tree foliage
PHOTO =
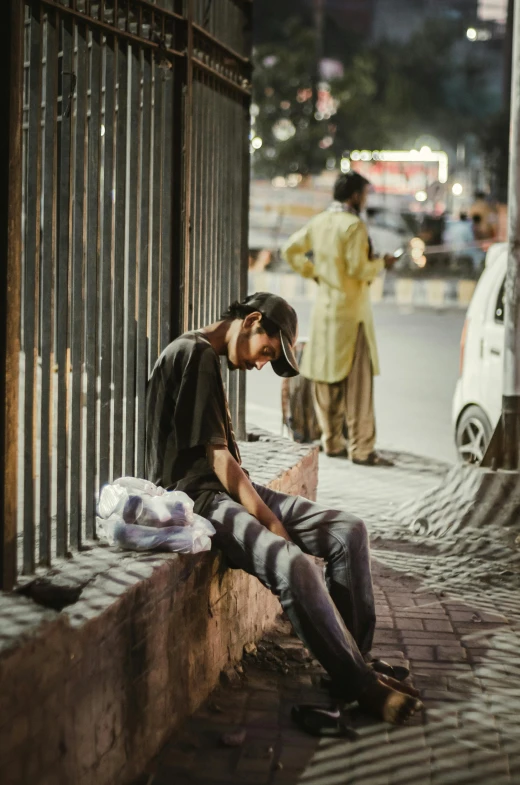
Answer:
(284, 76)
(389, 95)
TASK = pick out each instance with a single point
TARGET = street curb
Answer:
(430, 293)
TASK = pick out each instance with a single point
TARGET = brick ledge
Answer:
(90, 693)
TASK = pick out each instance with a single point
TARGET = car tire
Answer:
(472, 435)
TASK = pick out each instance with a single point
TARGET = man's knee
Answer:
(353, 533)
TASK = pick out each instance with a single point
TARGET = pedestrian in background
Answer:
(487, 223)
(341, 354)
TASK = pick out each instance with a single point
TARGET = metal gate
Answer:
(127, 182)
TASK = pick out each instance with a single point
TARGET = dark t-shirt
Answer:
(186, 409)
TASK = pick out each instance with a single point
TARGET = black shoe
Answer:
(374, 459)
(340, 454)
(322, 721)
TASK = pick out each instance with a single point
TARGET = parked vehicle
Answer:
(477, 401)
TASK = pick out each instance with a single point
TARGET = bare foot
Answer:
(389, 704)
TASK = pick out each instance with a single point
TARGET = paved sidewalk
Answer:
(461, 640)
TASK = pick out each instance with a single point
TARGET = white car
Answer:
(477, 402)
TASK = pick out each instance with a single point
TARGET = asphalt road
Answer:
(419, 356)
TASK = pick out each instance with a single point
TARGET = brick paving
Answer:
(460, 637)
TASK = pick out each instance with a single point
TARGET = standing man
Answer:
(190, 446)
(341, 354)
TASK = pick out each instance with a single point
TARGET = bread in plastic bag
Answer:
(142, 502)
(192, 538)
(140, 516)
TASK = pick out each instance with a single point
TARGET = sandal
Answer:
(323, 722)
(397, 672)
(374, 459)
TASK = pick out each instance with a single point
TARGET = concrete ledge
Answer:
(419, 292)
(89, 694)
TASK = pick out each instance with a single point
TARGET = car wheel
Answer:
(473, 435)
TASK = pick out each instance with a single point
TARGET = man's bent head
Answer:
(264, 329)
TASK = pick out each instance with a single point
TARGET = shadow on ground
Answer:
(464, 659)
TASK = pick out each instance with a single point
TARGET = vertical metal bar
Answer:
(229, 261)
(79, 117)
(166, 202)
(244, 252)
(210, 211)
(48, 251)
(222, 217)
(91, 278)
(206, 248)
(177, 203)
(131, 221)
(202, 190)
(188, 110)
(62, 284)
(205, 175)
(106, 262)
(143, 258)
(235, 119)
(217, 253)
(155, 217)
(11, 92)
(196, 216)
(31, 284)
(244, 45)
(120, 244)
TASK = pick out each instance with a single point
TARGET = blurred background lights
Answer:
(256, 143)
(471, 34)
(293, 180)
(283, 130)
(417, 247)
(326, 142)
(421, 196)
(457, 189)
(345, 165)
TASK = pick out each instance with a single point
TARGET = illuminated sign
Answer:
(425, 157)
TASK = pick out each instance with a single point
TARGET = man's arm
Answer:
(358, 263)
(294, 252)
(239, 486)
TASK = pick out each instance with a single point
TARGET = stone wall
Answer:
(89, 694)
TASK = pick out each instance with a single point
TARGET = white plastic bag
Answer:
(139, 501)
(193, 538)
(140, 516)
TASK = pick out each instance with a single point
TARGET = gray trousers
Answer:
(336, 619)
(350, 402)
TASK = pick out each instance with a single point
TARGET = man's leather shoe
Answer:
(374, 459)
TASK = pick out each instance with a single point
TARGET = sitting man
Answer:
(190, 446)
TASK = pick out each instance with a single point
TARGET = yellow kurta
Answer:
(340, 247)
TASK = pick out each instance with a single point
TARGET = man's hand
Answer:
(239, 486)
(278, 528)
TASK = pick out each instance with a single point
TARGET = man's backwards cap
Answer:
(278, 311)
